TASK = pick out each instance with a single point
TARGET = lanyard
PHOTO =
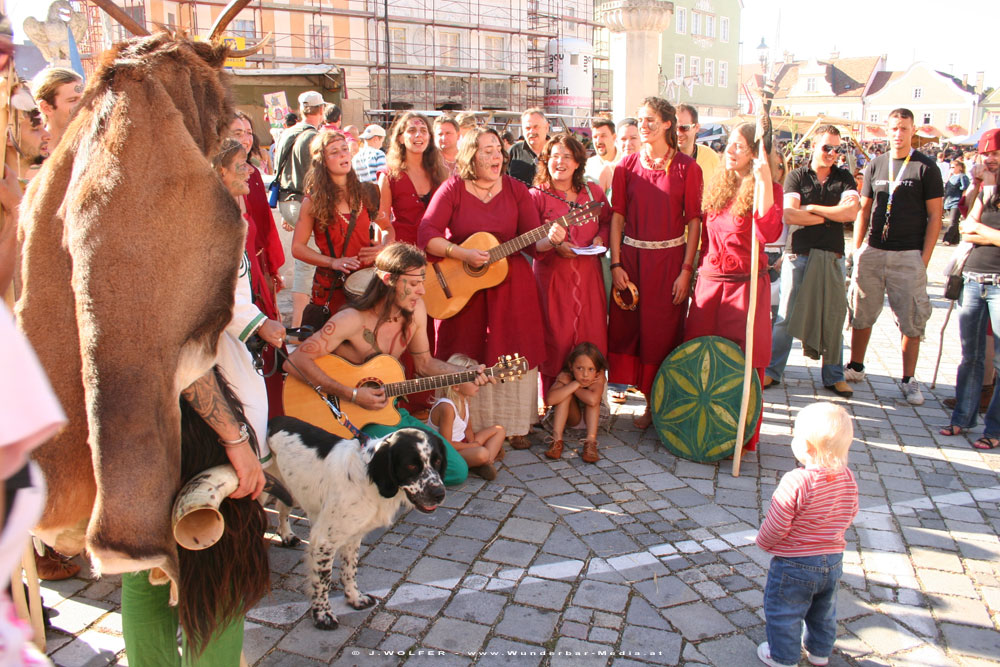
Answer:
(893, 184)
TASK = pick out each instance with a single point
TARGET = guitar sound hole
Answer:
(475, 273)
(370, 383)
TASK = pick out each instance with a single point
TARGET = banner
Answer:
(276, 105)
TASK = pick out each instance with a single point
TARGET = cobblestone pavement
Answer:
(645, 558)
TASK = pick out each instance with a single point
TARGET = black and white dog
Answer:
(348, 490)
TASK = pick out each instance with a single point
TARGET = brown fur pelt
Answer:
(223, 582)
(130, 246)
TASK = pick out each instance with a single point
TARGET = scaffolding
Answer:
(422, 54)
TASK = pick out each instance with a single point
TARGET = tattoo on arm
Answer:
(206, 398)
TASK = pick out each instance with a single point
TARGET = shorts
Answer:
(902, 276)
(302, 278)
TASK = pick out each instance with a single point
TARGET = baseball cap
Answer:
(990, 141)
(372, 131)
(311, 98)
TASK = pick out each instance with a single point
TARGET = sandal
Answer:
(986, 442)
(618, 397)
(953, 429)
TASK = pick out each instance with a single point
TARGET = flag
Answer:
(746, 94)
(74, 54)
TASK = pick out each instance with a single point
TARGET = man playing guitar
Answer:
(388, 318)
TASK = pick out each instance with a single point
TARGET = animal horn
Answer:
(228, 14)
(118, 14)
(196, 520)
(243, 53)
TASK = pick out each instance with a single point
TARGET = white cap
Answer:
(372, 131)
(311, 98)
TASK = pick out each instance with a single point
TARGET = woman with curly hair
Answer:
(571, 286)
(414, 170)
(656, 201)
(337, 209)
(722, 294)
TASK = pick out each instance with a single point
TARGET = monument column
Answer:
(635, 27)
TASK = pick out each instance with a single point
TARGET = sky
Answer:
(917, 30)
(942, 34)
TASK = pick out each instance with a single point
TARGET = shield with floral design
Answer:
(696, 399)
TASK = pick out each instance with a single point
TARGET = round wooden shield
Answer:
(696, 399)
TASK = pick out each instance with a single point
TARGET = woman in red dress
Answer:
(505, 319)
(414, 170)
(266, 257)
(656, 200)
(722, 295)
(333, 195)
(571, 286)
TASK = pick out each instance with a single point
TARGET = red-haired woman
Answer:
(570, 286)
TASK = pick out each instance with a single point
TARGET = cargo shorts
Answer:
(902, 276)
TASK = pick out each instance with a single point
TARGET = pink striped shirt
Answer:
(809, 512)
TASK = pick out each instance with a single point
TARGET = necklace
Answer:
(488, 192)
(656, 163)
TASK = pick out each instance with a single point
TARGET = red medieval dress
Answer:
(574, 305)
(407, 210)
(657, 205)
(327, 286)
(500, 320)
(266, 257)
(722, 293)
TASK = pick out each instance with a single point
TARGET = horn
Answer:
(243, 53)
(196, 520)
(127, 22)
(228, 14)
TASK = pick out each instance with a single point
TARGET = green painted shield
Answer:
(696, 399)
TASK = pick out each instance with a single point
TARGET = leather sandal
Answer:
(555, 449)
(952, 429)
(519, 442)
(986, 442)
(590, 454)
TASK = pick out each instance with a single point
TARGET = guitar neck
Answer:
(519, 242)
(434, 382)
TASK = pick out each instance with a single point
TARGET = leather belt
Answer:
(982, 278)
(654, 245)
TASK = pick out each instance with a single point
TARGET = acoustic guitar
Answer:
(452, 282)
(381, 372)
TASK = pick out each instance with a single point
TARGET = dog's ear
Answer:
(380, 471)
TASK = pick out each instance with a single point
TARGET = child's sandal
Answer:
(555, 448)
(590, 454)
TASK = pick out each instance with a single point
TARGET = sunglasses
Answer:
(839, 150)
(685, 128)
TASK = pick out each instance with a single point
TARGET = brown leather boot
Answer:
(519, 442)
(555, 449)
(53, 566)
(590, 454)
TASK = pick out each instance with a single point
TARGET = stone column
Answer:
(635, 27)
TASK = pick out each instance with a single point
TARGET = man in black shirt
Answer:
(524, 153)
(901, 204)
(819, 198)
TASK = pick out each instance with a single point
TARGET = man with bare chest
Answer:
(389, 318)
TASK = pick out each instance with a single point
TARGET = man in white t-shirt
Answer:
(601, 166)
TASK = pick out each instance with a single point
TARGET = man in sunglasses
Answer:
(894, 236)
(687, 132)
(819, 198)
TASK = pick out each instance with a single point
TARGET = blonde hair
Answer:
(828, 428)
(728, 187)
(452, 393)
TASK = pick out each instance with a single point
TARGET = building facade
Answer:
(939, 101)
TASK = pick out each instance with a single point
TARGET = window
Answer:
(918, 93)
(953, 118)
(319, 41)
(810, 85)
(494, 52)
(873, 117)
(678, 65)
(723, 74)
(397, 45)
(448, 44)
(171, 20)
(245, 29)
(695, 23)
(845, 114)
(927, 119)
(138, 14)
(709, 77)
(681, 20)
(695, 66)
(709, 26)
(724, 29)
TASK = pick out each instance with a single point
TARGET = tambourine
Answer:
(630, 286)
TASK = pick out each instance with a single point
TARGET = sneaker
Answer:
(816, 660)
(852, 375)
(911, 390)
(764, 655)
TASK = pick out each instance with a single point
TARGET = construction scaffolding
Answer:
(425, 54)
